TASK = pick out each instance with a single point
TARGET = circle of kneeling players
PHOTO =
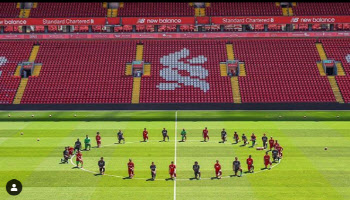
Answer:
(274, 147)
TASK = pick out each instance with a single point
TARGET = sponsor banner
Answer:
(281, 20)
(203, 20)
(58, 21)
(157, 20)
(174, 35)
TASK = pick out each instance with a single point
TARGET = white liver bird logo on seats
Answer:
(3, 61)
(174, 78)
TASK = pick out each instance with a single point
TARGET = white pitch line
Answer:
(175, 141)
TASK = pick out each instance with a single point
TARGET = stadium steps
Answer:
(294, 3)
(18, 70)
(139, 52)
(320, 68)
(121, 4)
(229, 50)
(24, 13)
(136, 90)
(191, 3)
(35, 4)
(340, 69)
(128, 70)
(104, 4)
(285, 11)
(223, 69)
(147, 70)
(112, 12)
(235, 90)
(199, 12)
(335, 88)
(290, 11)
(207, 4)
(34, 53)
(37, 69)
(321, 52)
(242, 71)
(18, 5)
(20, 91)
(278, 4)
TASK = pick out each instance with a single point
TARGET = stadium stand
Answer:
(142, 9)
(219, 87)
(320, 8)
(8, 9)
(11, 54)
(243, 9)
(281, 70)
(339, 50)
(81, 72)
(68, 10)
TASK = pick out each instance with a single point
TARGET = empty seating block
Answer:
(281, 70)
(81, 71)
(320, 8)
(159, 9)
(11, 53)
(344, 86)
(65, 9)
(192, 78)
(243, 9)
(338, 49)
(9, 10)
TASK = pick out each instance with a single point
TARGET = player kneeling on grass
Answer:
(165, 134)
(279, 149)
(87, 142)
(131, 169)
(65, 155)
(264, 140)
(101, 166)
(267, 160)
(253, 139)
(244, 138)
(79, 159)
(121, 137)
(236, 165)
(250, 164)
(196, 170)
(172, 170)
(98, 139)
(275, 155)
(183, 135)
(145, 135)
(77, 146)
(153, 171)
(236, 137)
(218, 172)
(223, 135)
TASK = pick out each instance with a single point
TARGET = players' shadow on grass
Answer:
(251, 147)
(234, 142)
(98, 174)
(265, 168)
(191, 179)
(126, 177)
(212, 178)
(118, 143)
(150, 179)
(143, 141)
(181, 141)
(243, 145)
(63, 163)
(204, 141)
(76, 167)
(169, 179)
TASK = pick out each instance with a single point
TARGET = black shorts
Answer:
(102, 169)
(76, 148)
(196, 173)
(121, 138)
(237, 169)
(165, 135)
(153, 173)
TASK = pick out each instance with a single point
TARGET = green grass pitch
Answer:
(307, 171)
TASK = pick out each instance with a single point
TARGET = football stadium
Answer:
(174, 100)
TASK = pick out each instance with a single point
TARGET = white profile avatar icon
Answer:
(14, 189)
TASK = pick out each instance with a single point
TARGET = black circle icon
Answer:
(14, 187)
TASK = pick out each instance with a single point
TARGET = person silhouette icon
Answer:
(14, 189)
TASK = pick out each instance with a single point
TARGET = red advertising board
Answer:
(175, 35)
(157, 20)
(281, 20)
(58, 21)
